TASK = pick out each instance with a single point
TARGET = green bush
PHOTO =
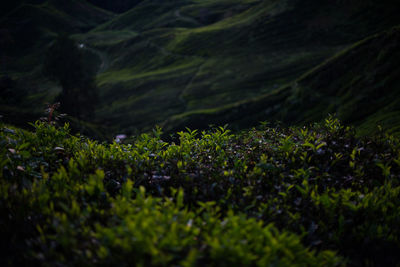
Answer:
(310, 196)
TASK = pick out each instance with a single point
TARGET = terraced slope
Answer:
(184, 56)
(359, 84)
(166, 62)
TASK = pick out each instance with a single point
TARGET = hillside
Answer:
(118, 6)
(192, 63)
(359, 84)
(307, 196)
(26, 32)
(181, 62)
(32, 27)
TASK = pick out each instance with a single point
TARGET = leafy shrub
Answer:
(266, 196)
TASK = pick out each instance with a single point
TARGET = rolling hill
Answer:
(192, 63)
(359, 84)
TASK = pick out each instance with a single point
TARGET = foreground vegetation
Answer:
(311, 196)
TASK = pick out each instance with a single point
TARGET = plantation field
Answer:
(283, 183)
(189, 63)
(359, 84)
(302, 196)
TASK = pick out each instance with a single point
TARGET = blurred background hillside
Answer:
(125, 66)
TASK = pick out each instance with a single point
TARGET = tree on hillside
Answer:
(64, 64)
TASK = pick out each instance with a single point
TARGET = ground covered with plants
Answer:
(300, 196)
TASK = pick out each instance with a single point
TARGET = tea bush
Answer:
(299, 196)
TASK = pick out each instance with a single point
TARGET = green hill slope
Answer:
(118, 6)
(189, 56)
(359, 84)
(166, 61)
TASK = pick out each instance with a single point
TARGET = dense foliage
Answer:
(310, 196)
